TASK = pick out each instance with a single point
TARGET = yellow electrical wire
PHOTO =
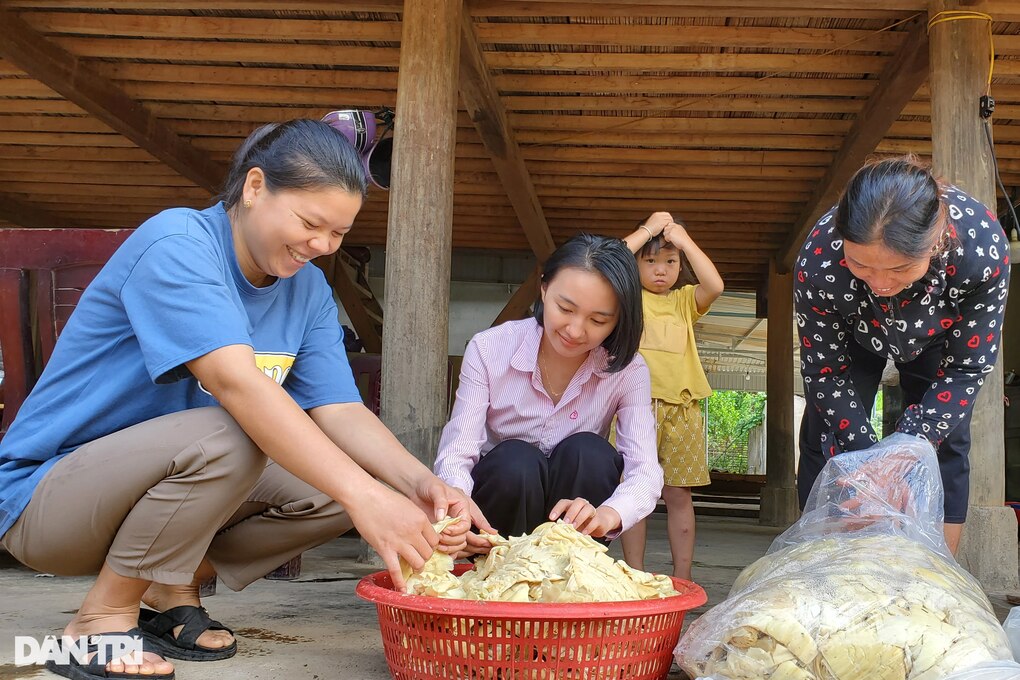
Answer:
(965, 15)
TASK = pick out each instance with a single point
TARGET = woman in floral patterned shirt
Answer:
(911, 269)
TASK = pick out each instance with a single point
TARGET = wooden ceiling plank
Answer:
(666, 170)
(710, 140)
(64, 190)
(204, 27)
(112, 140)
(25, 87)
(666, 184)
(248, 75)
(231, 52)
(901, 79)
(101, 197)
(580, 84)
(246, 5)
(714, 37)
(569, 123)
(684, 104)
(9, 149)
(253, 94)
(73, 178)
(88, 168)
(489, 117)
(30, 123)
(487, 8)
(804, 6)
(28, 216)
(763, 157)
(54, 106)
(64, 72)
(668, 7)
(708, 63)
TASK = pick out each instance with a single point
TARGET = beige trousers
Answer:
(152, 500)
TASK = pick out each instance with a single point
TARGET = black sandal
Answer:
(94, 670)
(158, 629)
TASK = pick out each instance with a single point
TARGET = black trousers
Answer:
(915, 378)
(516, 485)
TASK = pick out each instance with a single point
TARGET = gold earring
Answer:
(247, 204)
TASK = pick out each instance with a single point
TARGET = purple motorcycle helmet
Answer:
(359, 127)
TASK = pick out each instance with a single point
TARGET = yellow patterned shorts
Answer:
(680, 431)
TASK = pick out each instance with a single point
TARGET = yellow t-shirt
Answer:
(669, 348)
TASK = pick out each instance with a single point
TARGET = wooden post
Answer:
(779, 507)
(959, 56)
(420, 231)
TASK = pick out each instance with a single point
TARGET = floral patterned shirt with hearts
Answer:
(959, 304)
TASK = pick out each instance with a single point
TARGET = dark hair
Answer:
(895, 201)
(611, 258)
(654, 245)
(298, 154)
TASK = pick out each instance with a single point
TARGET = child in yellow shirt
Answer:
(678, 380)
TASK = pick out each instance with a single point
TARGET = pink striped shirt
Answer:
(501, 397)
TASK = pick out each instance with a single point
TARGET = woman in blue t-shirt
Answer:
(198, 416)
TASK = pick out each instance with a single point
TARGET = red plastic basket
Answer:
(426, 638)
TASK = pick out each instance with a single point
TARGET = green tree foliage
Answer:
(731, 416)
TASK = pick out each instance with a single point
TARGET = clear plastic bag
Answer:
(1012, 627)
(993, 670)
(862, 586)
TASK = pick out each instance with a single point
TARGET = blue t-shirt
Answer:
(171, 293)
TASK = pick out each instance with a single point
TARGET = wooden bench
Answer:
(43, 273)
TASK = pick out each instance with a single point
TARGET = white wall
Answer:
(473, 306)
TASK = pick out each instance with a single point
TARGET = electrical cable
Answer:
(998, 178)
(987, 104)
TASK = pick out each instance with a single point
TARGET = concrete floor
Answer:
(315, 627)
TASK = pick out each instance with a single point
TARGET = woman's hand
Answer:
(880, 485)
(585, 517)
(476, 545)
(394, 527)
(441, 500)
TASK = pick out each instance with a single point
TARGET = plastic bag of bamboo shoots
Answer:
(862, 586)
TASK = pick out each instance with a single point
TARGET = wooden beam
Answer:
(735, 343)
(75, 80)
(481, 99)
(906, 71)
(30, 217)
(522, 299)
(350, 299)
(419, 237)
(959, 66)
(779, 496)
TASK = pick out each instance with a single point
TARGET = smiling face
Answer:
(283, 230)
(659, 272)
(886, 272)
(579, 311)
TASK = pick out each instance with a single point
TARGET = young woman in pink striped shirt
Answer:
(527, 437)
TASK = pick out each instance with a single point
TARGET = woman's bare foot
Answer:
(101, 620)
(163, 597)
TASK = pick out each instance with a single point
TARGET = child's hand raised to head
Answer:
(656, 222)
(676, 233)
